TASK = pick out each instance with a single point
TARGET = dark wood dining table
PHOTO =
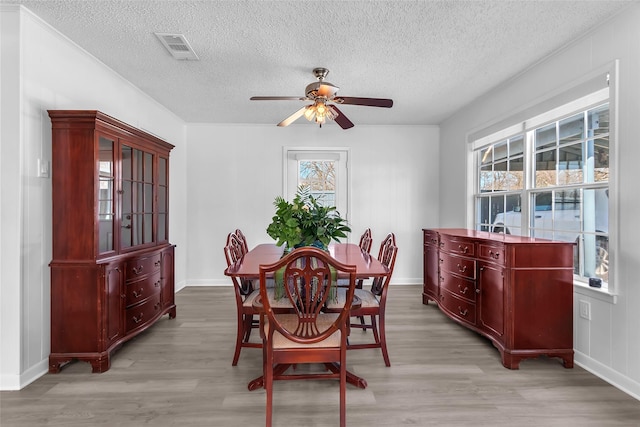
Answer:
(248, 267)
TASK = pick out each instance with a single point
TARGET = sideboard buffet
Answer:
(516, 291)
(112, 272)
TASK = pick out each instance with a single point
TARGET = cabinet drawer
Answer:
(142, 289)
(458, 265)
(140, 314)
(139, 267)
(464, 288)
(457, 246)
(459, 308)
(493, 253)
(431, 237)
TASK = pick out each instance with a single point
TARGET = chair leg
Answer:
(374, 327)
(268, 385)
(248, 325)
(383, 341)
(343, 389)
(239, 336)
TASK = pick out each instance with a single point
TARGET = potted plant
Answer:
(305, 222)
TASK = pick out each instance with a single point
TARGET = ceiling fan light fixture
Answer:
(310, 112)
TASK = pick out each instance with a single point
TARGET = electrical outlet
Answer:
(585, 310)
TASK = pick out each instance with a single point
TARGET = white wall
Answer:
(609, 344)
(41, 70)
(235, 172)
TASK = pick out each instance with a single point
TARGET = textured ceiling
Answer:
(430, 57)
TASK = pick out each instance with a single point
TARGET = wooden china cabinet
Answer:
(516, 291)
(112, 273)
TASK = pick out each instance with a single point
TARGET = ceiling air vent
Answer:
(178, 46)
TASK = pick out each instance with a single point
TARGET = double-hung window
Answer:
(548, 177)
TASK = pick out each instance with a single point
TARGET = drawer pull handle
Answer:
(494, 255)
(463, 291)
(137, 319)
(434, 241)
(441, 279)
(157, 306)
(137, 294)
(138, 270)
(463, 249)
(157, 263)
(157, 284)
(463, 312)
(477, 290)
(462, 268)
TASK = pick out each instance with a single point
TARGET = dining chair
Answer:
(305, 332)
(365, 246)
(245, 295)
(374, 301)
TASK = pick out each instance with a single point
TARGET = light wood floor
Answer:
(179, 373)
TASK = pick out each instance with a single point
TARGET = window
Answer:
(320, 177)
(323, 170)
(550, 180)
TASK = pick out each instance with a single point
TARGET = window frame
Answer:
(534, 117)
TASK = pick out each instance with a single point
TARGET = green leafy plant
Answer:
(305, 222)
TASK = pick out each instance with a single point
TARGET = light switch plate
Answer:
(43, 168)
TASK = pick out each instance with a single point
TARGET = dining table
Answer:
(248, 267)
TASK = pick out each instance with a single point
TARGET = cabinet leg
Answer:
(101, 364)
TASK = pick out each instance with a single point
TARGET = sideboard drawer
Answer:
(464, 288)
(493, 253)
(431, 237)
(458, 307)
(458, 265)
(139, 267)
(141, 314)
(140, 290)
(457, 246)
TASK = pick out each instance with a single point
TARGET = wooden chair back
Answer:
(240, 235)
(309, 277)
(387, 256)
(233, 252)
(366, 241)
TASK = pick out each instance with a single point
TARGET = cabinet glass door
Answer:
(163, 202)
(106, 207)
(137, 197)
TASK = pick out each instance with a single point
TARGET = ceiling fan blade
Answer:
(292, 118)
(277, 98)
(370, 102)
(340, 118)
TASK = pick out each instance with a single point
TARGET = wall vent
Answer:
(178, 46)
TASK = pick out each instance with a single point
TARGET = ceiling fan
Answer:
(324, 98)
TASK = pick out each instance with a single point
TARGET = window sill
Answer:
(597, 293)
